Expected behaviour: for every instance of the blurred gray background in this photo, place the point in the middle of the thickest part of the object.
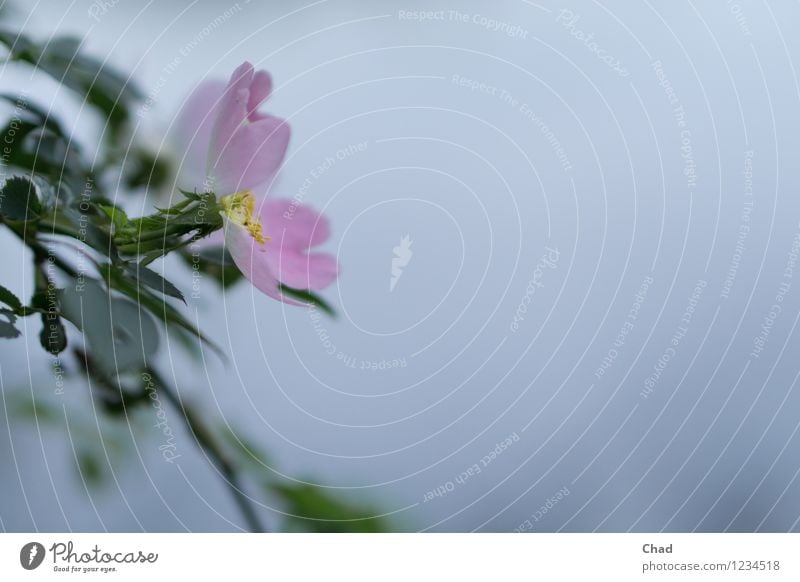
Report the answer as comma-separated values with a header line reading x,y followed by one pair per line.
x,y
603,204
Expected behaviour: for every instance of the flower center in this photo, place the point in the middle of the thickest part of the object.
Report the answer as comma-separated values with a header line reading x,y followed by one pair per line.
x,y
240,208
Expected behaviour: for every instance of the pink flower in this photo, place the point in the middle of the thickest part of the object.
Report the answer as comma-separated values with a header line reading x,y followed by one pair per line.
x,y
238,149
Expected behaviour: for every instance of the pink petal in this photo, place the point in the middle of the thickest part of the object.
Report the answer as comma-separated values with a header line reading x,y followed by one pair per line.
x,y
299,226
251,157
232,110
301,271
251,259
192,131
294,228
260,89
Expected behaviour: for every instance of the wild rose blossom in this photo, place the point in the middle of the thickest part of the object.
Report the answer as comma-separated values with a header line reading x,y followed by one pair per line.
x,y
238,150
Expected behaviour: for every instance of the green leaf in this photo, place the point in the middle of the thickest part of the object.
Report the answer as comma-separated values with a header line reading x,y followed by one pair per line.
x,y
190,195
215,262
309,297
10,299
153,280
121,335
17,43
115,395
146,169
36,113
253,456
200,214
7,328
101,241
312,509
19,143
164,312
53,336
53,153
89,467
41,153
93,226
34,141
52,196
27,407
19,200
116,215
97,84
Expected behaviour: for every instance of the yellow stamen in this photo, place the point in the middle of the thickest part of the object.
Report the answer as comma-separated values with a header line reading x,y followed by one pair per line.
x,y
240,208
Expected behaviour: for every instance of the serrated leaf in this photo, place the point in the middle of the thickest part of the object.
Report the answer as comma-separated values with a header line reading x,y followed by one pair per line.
x,y
153,280
19,200
52,196
10,299
116,215
190,195
309,297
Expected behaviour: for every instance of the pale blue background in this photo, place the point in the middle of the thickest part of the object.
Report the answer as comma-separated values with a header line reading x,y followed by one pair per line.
x,y
479,189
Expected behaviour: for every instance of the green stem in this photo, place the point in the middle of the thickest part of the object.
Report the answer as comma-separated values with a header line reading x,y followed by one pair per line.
x,y
205,440
132,236
53,227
